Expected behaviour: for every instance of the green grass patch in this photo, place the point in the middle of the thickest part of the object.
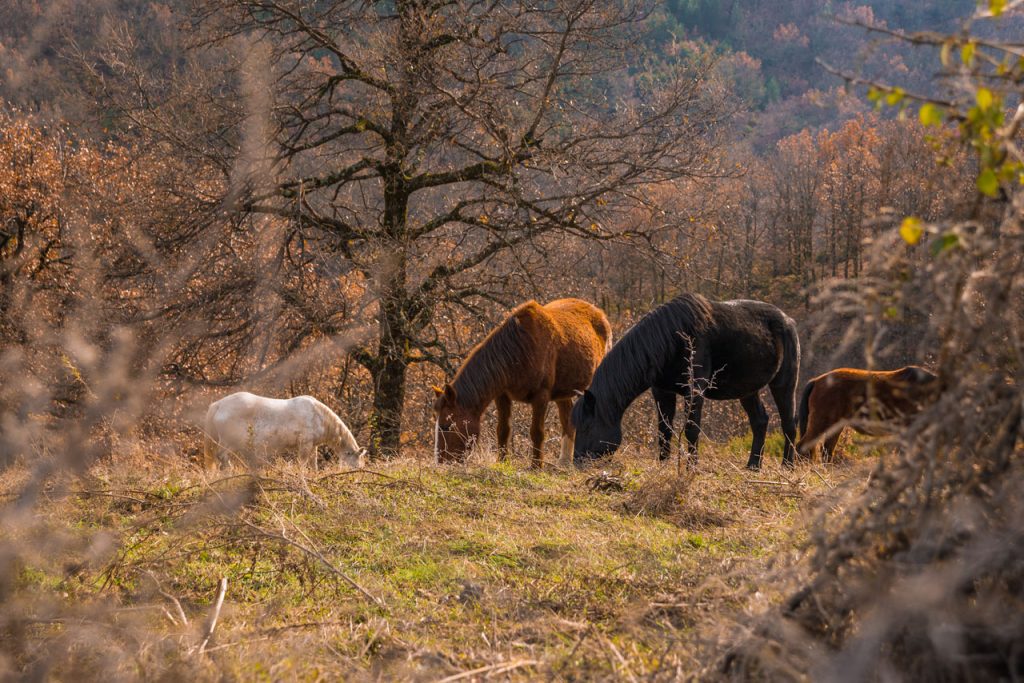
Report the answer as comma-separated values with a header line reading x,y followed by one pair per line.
x,y
467,565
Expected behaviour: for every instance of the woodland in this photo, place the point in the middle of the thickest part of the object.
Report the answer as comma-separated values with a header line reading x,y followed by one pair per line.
x,y
340,198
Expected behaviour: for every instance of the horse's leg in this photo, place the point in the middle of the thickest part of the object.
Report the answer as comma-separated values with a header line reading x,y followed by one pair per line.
x,y
307,451
568,432
758,417
828,448
540,409
694,408
805,451
818,423
504,406
783,388
665,410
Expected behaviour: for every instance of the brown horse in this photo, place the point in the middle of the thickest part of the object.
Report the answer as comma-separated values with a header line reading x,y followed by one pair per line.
x,y
839,398
539,354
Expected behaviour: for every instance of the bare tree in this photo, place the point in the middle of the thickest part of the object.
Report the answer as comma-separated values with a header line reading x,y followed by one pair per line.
x,y
419,142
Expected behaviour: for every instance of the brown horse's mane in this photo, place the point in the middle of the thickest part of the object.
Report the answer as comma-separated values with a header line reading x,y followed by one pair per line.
x,y
494,363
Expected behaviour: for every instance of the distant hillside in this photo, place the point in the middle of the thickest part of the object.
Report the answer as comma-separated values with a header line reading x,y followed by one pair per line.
x,y
769,47
771,50
786,36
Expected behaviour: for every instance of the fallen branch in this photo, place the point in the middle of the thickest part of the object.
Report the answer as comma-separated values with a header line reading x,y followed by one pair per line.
x,y
500,668
177,603
211,623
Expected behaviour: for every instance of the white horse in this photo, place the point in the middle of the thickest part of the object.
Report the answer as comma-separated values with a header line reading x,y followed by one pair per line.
x,y
257,427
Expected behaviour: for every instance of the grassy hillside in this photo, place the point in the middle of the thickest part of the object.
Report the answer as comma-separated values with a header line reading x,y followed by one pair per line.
x,y
407,570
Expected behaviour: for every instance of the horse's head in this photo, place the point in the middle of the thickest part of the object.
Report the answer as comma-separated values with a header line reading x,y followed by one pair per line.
x,y
596,435
915,374
918,384
354,458
456,427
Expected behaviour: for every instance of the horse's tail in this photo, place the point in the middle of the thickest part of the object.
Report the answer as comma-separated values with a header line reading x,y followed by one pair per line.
x,y
604,329
804,410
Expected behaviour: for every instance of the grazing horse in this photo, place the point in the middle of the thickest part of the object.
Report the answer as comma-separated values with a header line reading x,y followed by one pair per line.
x,y
537,355
695,348
838,399
255,427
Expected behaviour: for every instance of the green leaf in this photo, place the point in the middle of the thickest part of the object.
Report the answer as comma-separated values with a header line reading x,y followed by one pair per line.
x,y
984,98
988,184
911,230
996,7
967,54
947,48
930,114
945,242
894,97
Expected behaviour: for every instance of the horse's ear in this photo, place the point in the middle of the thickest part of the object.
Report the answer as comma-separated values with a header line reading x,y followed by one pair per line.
x,y
589,402
449,392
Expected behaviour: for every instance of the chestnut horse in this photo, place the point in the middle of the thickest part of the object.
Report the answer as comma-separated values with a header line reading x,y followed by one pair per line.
x,y
537,355
868,401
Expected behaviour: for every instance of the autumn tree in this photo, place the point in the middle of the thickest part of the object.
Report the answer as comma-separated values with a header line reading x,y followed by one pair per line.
x,y
415,143
850,192
32,233
56,191
797,175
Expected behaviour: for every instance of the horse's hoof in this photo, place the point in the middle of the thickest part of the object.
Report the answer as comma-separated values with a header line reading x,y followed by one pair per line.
x,y
754,466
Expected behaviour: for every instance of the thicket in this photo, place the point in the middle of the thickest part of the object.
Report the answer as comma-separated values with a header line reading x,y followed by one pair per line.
x,y
917,574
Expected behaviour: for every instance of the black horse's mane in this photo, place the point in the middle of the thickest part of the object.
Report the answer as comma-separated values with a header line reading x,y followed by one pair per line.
x,y
627,369
495,361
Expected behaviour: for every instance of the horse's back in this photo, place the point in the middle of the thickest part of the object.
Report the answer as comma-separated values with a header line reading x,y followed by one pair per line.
x,y
910,374
248,401
751,314
750,344
261,414
578,316
568,338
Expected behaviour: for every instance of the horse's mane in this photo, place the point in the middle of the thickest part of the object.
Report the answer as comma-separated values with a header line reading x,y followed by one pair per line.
x,y
495,361
333,424
628,368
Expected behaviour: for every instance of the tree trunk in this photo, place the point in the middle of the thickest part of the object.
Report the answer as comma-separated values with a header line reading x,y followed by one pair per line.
x,y
391,363
388,400
392,359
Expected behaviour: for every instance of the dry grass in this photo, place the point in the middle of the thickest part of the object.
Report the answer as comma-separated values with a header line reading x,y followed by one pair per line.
x,y
406,570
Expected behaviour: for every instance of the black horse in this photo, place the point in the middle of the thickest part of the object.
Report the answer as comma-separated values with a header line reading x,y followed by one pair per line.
x,y
697,349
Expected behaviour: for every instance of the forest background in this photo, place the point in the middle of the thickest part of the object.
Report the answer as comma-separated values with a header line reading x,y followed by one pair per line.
x,y
136,132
